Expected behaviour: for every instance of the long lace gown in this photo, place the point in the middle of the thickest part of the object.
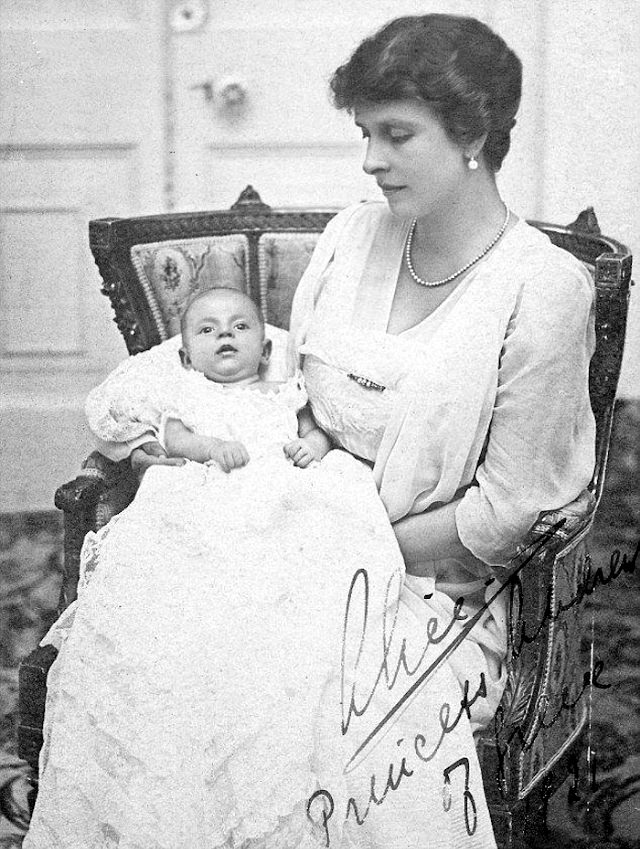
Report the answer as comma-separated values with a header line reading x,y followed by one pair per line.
x,y
183,708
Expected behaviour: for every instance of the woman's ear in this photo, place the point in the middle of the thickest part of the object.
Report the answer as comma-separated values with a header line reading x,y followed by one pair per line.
x,y
266,352
185,359
473,149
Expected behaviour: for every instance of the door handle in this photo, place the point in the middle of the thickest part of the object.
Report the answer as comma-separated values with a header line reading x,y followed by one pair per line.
x,y
207,89
231,92
228,93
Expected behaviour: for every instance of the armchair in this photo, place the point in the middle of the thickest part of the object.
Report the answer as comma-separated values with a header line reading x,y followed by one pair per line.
x,y
149,266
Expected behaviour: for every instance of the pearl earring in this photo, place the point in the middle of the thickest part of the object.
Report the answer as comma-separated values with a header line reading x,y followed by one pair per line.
x,y
472,163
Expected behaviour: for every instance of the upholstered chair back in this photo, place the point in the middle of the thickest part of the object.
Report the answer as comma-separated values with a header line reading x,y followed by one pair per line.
x,y
170,272
152,265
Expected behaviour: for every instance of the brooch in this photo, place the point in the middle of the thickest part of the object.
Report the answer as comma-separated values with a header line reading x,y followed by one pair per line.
x,y
364,381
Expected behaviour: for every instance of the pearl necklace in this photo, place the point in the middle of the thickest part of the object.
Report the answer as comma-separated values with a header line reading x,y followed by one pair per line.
x,y
407,254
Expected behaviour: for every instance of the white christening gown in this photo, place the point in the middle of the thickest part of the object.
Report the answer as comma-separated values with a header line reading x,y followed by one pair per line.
x,y
183,708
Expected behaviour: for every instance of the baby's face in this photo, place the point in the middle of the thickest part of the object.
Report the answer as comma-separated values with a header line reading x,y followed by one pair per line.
x,y
223,337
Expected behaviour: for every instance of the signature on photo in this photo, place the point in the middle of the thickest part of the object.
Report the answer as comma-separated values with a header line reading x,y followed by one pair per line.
x,y
321,805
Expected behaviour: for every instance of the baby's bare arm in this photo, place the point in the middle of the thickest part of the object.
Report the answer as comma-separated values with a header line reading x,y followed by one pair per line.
x,y
182,442
312,443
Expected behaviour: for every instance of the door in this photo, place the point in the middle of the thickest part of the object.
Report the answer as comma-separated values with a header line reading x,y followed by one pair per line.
x,y
81,137
251,101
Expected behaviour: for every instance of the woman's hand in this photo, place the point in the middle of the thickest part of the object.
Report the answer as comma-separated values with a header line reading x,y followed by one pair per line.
x,y
151,454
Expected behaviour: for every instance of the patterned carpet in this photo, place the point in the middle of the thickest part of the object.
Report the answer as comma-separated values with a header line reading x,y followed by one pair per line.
x,y
607,818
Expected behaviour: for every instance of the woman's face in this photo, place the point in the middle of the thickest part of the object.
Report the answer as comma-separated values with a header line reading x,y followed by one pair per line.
x,y
418,167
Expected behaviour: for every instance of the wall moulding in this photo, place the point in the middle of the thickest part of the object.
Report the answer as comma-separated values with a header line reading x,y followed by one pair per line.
x,y
70,15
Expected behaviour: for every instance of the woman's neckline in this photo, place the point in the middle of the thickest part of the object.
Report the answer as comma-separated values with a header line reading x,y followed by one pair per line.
x,y
455,293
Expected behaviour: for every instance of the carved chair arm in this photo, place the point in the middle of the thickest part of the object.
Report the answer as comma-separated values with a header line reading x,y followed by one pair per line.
x,y
556,528
98,475
542,590
531,597
102,489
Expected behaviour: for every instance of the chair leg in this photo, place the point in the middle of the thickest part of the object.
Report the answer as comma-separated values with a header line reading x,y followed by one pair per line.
x,y
522,826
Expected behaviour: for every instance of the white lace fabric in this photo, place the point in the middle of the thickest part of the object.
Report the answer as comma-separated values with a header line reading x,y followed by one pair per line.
x,y
262,419
337,360
183,708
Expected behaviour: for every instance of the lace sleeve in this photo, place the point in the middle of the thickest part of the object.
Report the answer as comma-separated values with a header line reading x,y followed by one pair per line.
x,y
130,402
190,401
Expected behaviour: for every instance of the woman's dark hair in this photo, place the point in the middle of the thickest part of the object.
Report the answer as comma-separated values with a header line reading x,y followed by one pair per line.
x,y
465,72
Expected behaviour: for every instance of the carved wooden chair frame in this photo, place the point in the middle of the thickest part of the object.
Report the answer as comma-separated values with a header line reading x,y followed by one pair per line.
x,y
523,761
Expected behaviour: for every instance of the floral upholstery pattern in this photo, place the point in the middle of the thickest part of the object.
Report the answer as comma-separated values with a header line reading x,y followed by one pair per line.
x,y
170,272
282,259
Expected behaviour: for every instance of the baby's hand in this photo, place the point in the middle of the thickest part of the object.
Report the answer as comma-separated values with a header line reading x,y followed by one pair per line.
x,y
228,455
300,452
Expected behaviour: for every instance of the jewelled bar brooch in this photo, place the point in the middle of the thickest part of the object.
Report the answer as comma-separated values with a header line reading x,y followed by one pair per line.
x,y
364,381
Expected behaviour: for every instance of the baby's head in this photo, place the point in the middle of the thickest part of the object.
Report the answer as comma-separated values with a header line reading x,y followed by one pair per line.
x,y
223,336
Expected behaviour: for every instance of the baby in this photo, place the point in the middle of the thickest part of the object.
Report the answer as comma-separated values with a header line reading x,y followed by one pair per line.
x,y
223,337
222,592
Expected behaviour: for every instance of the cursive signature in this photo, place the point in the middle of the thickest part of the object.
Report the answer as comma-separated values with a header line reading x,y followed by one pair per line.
x,y
553,608
321,805
432,625
357,614
619,563
541,721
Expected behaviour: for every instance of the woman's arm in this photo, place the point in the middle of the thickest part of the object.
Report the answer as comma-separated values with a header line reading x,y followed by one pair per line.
x,y
149,454
539,452
430,536
312,281
541,447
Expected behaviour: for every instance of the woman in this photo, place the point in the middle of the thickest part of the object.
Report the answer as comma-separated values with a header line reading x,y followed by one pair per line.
x,y
447,344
